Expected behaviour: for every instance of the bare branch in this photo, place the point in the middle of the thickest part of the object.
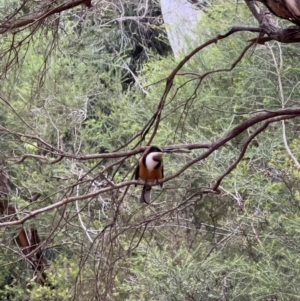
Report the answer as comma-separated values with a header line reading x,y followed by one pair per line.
x,y
284,9
7,25
270,116
169,82
285,114
245,146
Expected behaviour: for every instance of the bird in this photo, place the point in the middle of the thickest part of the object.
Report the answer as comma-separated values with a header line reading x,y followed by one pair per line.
x,y
150,168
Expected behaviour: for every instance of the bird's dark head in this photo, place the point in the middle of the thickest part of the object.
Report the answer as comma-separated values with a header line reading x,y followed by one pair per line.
x,y
153,152
154,149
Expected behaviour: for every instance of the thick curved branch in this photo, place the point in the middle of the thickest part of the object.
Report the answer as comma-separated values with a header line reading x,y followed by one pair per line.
x,y
255,10
169,82
283,9
281,114
245,146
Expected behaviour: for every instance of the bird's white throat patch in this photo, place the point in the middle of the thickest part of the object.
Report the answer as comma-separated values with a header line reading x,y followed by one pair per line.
x,y
150,163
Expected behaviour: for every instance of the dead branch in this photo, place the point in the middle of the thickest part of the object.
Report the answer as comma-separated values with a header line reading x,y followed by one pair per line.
x,y
155,120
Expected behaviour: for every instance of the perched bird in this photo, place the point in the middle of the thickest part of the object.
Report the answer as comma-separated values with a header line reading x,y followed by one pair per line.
x,y
150,168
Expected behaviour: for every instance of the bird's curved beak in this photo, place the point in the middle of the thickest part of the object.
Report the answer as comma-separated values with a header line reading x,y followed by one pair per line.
x,y
158,156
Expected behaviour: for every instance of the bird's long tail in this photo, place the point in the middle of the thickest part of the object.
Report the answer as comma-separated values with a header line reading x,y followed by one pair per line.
x,y
146,194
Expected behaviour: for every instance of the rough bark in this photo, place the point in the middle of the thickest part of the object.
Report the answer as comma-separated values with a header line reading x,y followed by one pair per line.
x,y
270,30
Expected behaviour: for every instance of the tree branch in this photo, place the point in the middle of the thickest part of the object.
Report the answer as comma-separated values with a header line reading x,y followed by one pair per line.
x,y
280,114
269,116
245,146
269,25
295,111
169,82
7,25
